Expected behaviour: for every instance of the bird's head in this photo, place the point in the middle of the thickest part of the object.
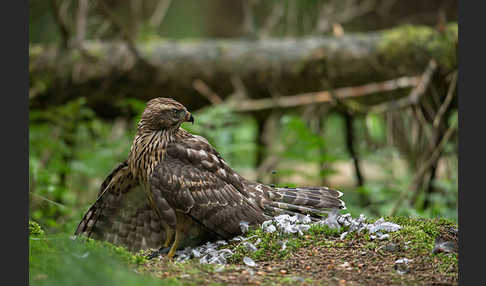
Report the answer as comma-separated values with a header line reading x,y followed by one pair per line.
x,y
163,114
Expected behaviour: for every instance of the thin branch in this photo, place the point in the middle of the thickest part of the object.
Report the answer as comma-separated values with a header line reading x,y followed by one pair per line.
x,y
160,11
239,89
435,97
430,111
267,138
61,23
420,117
103,27
329,14
348,119
447,101
414,96
273,19
326,96
249,26
81,16
81,21
414,186
47,200
206,91
419,83
125,35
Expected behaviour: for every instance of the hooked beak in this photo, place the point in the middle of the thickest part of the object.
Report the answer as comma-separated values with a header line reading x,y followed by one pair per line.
x,y
189,118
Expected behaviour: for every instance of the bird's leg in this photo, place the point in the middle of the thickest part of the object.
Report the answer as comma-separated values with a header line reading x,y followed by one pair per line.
x,y
167,218
178,237
182,227
168,240
166,246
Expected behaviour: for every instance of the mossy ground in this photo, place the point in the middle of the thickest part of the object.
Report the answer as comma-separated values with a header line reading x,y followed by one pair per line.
x,y
316,258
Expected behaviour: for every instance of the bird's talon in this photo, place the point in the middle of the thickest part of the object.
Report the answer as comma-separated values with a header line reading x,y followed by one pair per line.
x,y
161,251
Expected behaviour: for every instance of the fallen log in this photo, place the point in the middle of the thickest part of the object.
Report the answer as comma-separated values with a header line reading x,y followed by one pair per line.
x,y
105,72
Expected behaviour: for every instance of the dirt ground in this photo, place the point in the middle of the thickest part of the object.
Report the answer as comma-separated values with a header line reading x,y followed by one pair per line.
x,y
355,262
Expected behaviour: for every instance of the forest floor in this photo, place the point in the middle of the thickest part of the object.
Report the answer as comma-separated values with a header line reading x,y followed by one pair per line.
x,y
318,257
321,258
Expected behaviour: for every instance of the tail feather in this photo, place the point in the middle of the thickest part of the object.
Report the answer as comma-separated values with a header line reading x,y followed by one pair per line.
x,y
278,211
314,201
319,192
310,199
87,223
301,209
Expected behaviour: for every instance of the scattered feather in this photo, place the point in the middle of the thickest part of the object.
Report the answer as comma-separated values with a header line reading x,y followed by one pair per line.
x,y
210,252
249,262
244,226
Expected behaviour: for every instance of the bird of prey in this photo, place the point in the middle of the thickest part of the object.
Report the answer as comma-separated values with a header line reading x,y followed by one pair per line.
x,y
175,190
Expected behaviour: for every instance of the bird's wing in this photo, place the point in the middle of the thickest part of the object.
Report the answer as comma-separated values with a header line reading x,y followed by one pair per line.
x,y
122,214
195,180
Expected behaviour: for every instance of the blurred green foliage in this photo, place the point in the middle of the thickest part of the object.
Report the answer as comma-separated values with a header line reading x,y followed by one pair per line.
x,y
302,145
70,150
233,135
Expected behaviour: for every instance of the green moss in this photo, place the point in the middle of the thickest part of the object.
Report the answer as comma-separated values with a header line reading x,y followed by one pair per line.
x,y
446,262
270,246
320,229
114,250
60,260
419,233
371,245
410,43
35,229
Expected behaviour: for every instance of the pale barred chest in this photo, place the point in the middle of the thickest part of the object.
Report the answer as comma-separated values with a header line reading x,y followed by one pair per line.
x,y
146,152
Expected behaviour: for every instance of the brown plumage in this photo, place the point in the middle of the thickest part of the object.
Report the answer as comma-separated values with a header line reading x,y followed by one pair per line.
x,y
176,190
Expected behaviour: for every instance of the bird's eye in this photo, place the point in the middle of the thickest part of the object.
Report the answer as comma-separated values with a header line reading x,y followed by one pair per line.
x,y
178,113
